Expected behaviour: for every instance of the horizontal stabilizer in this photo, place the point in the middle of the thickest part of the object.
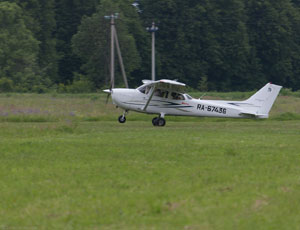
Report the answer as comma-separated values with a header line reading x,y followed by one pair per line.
x,y
253,115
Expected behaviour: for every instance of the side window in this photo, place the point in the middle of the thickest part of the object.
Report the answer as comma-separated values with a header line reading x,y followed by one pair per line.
x,y
157,93
177,96
147,89
167,94
181,97
161,93
174,96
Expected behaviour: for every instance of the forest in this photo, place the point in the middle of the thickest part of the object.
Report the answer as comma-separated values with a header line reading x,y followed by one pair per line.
x,y
211,45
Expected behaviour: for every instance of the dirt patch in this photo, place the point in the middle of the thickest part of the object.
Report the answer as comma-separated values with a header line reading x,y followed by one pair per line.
x,y
173,205
285,189
225,189
260,203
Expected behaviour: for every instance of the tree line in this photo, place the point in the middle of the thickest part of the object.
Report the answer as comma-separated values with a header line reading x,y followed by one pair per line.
x,y
225,45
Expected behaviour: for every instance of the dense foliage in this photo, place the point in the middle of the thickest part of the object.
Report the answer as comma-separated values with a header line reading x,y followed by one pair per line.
x,y
208,44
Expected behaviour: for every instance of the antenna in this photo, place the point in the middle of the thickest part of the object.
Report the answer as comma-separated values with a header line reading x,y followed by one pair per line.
x,y
152,30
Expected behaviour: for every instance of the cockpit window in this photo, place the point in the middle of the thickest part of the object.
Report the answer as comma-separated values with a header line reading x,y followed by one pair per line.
x,y
142,90
177,96
145,89
158,93
161,93
165,94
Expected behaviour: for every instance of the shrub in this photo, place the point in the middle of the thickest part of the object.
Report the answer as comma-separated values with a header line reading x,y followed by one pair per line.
x,y
80,85
39,89
286,92
6,85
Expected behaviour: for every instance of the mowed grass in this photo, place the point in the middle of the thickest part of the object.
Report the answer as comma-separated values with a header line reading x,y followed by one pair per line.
x,y
77,168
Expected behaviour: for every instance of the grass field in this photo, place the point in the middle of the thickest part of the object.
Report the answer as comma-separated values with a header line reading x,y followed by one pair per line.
x,y
66,163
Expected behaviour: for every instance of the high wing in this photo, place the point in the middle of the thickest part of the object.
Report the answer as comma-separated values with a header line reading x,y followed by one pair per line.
x,y
163,84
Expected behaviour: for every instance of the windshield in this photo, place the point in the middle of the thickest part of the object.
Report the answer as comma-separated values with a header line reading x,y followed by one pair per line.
x,y
188,97
144,89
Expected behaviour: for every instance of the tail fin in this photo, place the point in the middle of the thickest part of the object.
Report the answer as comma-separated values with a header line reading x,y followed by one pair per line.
x,y
264,99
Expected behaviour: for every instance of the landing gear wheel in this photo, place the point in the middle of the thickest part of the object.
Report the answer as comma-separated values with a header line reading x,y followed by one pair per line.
x,y
154,121
161,122
122,119
158,121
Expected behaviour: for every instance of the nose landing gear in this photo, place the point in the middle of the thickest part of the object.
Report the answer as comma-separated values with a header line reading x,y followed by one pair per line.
x,y
122,118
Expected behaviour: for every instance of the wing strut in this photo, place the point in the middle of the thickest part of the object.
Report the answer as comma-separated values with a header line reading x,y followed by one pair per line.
x,y
149,99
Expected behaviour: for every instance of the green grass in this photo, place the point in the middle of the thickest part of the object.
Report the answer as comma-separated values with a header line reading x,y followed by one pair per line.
x,y
79,169
91,107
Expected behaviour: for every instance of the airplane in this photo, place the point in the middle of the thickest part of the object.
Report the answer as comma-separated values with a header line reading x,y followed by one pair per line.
x,y
167,97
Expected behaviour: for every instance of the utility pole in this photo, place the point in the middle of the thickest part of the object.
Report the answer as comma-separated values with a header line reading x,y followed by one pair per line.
x,y
114,39
120,58
112,18
152,30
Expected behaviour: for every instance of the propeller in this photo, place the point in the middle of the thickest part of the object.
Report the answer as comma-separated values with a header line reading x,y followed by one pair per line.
x,y
109,92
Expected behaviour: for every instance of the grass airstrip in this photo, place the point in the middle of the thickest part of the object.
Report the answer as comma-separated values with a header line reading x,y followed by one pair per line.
x,y
66,163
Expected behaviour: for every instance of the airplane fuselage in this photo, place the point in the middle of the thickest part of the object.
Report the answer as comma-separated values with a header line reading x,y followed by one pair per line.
x,y
133,99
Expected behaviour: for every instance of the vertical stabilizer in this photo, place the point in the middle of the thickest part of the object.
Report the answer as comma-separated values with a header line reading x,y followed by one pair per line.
x,y
265,98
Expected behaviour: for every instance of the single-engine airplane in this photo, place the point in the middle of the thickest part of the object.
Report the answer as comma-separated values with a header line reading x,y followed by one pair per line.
x,y
168,97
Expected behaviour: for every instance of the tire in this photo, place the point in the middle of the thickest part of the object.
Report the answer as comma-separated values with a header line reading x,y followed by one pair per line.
x,y
122,119
161,122
154,121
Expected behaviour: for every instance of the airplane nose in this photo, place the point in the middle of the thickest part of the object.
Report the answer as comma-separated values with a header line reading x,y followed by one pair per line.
x,y
114,94
107,91
117,95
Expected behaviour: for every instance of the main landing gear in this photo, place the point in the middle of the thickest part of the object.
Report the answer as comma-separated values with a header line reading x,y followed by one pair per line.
x,y
159,121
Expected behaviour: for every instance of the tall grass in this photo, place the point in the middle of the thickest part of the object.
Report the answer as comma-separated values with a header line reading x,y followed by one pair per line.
x,y
92,107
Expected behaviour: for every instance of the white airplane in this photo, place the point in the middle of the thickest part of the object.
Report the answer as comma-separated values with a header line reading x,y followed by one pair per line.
x,y
168,97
